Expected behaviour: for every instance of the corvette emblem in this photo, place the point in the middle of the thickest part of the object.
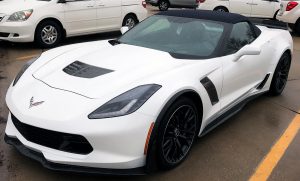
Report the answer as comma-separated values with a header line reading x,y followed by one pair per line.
x,y
33,104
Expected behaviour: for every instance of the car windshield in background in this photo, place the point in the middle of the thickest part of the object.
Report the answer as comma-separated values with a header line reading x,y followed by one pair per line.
x,y
176,35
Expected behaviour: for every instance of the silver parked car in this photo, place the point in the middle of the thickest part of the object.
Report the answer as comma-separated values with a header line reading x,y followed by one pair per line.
x,y
164,5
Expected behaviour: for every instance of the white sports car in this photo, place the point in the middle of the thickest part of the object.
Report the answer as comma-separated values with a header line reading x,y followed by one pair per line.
x,y
129,105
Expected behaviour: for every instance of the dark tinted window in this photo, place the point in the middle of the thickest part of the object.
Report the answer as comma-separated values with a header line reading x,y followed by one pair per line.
x,y
241,35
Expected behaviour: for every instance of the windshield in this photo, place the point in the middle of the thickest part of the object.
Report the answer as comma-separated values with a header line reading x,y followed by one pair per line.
x,y
176,35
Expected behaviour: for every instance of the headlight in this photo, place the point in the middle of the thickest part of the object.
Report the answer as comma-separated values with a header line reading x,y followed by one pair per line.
x,y
20,15
125,103
24,68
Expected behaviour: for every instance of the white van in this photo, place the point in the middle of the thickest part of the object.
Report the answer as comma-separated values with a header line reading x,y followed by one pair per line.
x,y
48,21
250,8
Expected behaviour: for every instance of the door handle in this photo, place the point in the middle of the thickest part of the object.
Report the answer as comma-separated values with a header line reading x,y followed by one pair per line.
x,y
101,5
90,6
251,3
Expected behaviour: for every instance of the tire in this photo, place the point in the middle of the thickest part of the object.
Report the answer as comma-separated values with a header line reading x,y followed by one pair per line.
x,y
280,76
221,9
130,21
163,5
297,27
275,15
178,129
48,34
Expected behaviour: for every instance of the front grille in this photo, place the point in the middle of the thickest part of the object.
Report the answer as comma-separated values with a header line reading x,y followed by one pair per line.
x,y
53,139
4,34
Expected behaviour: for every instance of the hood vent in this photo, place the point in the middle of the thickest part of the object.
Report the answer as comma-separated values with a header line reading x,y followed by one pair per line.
x,y
79,69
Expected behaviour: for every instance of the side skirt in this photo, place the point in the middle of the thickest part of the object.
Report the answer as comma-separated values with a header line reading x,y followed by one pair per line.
x,y
228,114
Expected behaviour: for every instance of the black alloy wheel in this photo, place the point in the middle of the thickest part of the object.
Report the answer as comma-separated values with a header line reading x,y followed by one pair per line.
x,y
281,74
179,130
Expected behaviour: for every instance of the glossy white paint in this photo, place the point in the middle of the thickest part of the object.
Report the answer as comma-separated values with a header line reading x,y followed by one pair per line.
x,y
250,8
76,17
119,142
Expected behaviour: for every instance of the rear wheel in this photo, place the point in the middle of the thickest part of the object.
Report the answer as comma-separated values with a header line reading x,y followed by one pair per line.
x,y
275,15
177,132
280,76
163,5
221,9
297,27
48,34
130,21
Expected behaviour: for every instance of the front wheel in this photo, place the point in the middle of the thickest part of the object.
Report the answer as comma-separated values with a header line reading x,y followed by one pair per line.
x,y
177,132
280,76
163,5
48,34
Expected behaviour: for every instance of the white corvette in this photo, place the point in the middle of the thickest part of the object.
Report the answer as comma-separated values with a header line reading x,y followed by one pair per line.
x,y
129,105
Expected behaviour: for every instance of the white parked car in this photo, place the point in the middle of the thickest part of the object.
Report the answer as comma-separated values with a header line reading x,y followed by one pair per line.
x,y
119,106
250,8
164,5
290,13
47,22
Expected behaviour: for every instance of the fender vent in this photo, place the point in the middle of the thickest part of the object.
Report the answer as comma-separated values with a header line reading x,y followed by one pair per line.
x,y
262,84
211,90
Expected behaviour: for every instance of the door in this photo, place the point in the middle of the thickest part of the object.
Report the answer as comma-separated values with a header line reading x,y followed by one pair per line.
x,y
242,76
240,7
264,8
80,16
109,15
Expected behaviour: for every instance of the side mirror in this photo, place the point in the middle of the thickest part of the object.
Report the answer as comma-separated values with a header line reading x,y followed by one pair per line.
x,y
247,50
124,29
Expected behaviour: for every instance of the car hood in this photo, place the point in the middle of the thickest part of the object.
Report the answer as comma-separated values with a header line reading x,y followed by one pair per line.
x,y
100,70
10,7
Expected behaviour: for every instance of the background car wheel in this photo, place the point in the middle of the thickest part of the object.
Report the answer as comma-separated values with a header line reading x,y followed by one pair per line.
x,y
130,21
297,27
222,9
48,34
163,5
281,74
177,132
275,15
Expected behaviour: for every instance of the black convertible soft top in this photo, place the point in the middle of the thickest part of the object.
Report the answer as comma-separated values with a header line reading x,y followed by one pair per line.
x,y
207,15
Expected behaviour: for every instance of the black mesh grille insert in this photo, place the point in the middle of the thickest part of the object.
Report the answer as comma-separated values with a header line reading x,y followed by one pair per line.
x,y
53,139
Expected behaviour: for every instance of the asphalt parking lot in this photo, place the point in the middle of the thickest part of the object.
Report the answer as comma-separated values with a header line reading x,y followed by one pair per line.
x,y
262,141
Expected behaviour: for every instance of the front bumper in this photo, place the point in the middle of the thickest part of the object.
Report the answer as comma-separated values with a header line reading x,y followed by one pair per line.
x,y
118,143
17,31
68,168
112,149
